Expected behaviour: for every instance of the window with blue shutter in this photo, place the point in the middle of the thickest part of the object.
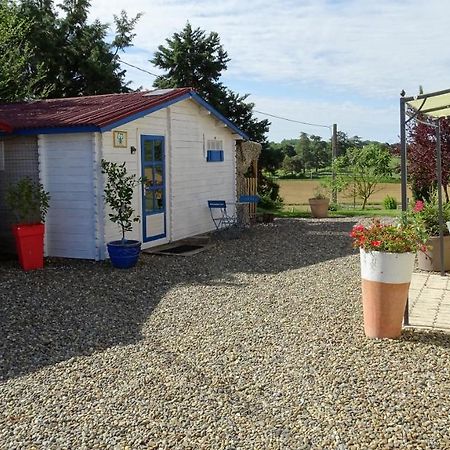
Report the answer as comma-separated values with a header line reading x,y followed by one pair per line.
x,y
214,152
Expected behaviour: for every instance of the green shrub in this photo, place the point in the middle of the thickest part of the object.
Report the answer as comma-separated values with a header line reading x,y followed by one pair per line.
x,y
28,201
389,202
429,214
334,207
267,187
267,203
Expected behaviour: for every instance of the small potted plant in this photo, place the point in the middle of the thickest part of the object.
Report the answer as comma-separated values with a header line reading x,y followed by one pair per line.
x,y
387,253
319,204
29,202
430,260
118,194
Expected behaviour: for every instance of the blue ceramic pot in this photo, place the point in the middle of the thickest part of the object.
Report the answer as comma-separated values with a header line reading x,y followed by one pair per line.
x,y
124,254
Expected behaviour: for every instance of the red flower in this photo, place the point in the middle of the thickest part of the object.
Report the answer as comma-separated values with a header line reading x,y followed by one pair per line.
x,y
376,243
418,206
358,228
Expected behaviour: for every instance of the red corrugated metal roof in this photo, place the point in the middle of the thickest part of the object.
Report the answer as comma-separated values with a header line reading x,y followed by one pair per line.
x,y
96,110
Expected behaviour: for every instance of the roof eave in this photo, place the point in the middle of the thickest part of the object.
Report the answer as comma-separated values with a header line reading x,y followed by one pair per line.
x,y
194,96
51,130
105,126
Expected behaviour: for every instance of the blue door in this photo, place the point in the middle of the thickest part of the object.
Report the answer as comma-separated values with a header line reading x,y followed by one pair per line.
x,y
154,188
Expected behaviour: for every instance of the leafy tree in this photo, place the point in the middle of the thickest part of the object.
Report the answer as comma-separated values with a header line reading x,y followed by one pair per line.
x,y
15,53
288,148
292,164
66,56
361,169
344,142
313,151
320,153
304,150
271,158
422,159
193,58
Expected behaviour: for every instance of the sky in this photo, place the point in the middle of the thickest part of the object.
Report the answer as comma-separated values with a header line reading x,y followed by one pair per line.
x,y
318,61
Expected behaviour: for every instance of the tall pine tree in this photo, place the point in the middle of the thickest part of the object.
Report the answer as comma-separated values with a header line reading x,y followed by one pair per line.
x,y
193,58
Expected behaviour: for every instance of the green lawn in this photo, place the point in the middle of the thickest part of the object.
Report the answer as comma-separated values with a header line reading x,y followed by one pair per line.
x,y
304,211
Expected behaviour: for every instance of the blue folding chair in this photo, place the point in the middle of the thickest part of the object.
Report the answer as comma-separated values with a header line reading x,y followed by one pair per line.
x,y
219,214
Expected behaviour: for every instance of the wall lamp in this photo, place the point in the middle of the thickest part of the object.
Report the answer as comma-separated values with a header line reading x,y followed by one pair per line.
x,y
133,149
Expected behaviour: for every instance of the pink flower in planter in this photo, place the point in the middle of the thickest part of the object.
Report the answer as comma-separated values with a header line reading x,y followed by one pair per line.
x,y
418,206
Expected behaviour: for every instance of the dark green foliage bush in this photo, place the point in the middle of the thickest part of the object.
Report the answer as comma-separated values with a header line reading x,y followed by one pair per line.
x,y
269,190
267,203
267,187
430,215
334,207
389,202
28,201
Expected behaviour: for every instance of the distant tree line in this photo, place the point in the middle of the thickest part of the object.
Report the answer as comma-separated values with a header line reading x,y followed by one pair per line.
x,y
307,153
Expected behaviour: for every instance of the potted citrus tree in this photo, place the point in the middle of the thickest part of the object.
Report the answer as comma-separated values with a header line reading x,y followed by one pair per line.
x,y
118,194
387,253
29,203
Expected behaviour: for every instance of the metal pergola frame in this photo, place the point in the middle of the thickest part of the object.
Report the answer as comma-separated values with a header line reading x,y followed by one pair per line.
x,y
441,108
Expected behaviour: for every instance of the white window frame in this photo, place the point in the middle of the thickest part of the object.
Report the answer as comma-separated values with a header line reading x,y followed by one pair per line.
x,y
215,145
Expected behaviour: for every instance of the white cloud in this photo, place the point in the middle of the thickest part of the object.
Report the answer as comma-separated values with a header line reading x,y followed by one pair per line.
x,y
358,48
372,47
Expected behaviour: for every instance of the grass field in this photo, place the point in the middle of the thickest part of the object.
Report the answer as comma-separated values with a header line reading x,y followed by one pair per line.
x,y
297,192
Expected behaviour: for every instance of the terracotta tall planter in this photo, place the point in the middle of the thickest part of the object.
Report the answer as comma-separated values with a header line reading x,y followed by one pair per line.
x,y
430,260
385,283
319,207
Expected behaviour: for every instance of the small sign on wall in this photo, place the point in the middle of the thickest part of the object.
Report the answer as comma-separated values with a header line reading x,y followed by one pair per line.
x,y
120,139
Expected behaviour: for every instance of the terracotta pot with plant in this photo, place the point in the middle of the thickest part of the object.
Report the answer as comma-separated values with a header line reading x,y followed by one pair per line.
x,y
29,203
119,188
430,259
319,204
387,253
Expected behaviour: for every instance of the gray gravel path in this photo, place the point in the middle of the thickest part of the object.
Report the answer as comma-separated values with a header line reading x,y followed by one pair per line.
x,y
254,344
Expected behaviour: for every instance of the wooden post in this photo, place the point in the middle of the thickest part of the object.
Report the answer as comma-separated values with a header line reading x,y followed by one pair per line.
x,y
333,157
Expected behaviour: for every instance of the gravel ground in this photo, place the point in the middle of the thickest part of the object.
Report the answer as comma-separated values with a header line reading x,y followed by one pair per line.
x,y
256,343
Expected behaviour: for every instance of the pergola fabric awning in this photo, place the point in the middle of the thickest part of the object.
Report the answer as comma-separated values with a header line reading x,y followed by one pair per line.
x,y
435,105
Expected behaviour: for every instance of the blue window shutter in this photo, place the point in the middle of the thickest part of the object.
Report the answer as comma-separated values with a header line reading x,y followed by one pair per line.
x,y
214,156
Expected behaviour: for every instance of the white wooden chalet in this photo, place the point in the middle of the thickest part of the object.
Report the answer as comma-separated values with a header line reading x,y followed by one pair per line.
x,y
183,146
